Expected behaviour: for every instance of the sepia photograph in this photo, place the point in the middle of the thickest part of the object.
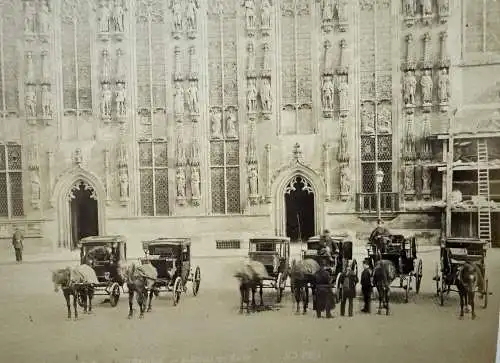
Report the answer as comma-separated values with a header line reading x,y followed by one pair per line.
x,y
249,181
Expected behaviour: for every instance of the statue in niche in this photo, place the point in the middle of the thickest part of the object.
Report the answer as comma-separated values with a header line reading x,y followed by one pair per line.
x,y
443,86
29,16
123,184
231,132
384,120
104,17
409,87
191,10
195,183
78,157
177,15
251,97
193,97
253,180
118,17
251,58
265,16
120,66
427,84
44,17
249,13
343,89
35,186
426,180
328,93
266,64
327,10
427,7
266,95
179,99
30,71
367,122
46,101
121,99
106,98
216,124
105,74
409,6
181,183
409,178
30,101
345,180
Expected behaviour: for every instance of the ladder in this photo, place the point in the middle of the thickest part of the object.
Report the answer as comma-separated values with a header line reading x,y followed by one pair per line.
x,y
483,188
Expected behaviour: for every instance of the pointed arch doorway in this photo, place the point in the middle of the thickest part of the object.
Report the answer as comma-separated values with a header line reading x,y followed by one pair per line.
x,y
84,212
299,209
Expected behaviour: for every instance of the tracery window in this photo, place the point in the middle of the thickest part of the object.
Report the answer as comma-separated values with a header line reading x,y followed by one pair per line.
x,y
153,174
225,176
11,181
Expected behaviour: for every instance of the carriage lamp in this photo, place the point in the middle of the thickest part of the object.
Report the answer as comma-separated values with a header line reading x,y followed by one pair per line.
x,y
379,178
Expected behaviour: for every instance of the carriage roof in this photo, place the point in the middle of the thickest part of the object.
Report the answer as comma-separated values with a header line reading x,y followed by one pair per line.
x,y
337,237
167,241
101,240
273,239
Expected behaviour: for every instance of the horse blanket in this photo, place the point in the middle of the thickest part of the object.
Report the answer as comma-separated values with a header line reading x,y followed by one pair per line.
x,y
305,267
253,270
83,274
143,271
384,271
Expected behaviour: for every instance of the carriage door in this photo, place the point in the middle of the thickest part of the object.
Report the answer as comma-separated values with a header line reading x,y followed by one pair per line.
x,y
84,219
299,206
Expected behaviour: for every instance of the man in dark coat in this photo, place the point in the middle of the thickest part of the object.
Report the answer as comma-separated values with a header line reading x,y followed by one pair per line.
x,y
348,281
366,286
17,243
324,294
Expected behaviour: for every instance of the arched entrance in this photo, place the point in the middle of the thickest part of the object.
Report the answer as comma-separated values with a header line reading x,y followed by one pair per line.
x,y
299,209
84,212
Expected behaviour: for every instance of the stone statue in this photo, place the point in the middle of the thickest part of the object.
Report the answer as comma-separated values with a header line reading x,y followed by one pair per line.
x,y
266,95
367,121
327,10
30,101
343,89
30,71
249,13
251,58
409,8
231,132
427,84
193,97
181,183
426,180
443,86
105,74
179,99
35,186
118,16
104,17
426,7
46,101
253,180
195,183
345,180
216,124
266,62
191,10
177,15
121,100
29,16
266,14
409,178
123,184
252,97
44,18
106,98
409,86
328,93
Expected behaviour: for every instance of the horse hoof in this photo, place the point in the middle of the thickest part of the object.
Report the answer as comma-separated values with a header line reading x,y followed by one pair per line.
x,y
149,310
473,317
379,312
130,316
141,316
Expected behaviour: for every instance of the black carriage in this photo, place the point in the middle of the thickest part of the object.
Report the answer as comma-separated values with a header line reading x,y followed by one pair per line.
x,y
340,261
274,254
454,253
172,259
105,254
402,252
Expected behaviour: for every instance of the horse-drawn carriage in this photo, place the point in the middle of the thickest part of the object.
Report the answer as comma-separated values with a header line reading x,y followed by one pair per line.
x,y
455,253
172,259
401,251
105,254
274,254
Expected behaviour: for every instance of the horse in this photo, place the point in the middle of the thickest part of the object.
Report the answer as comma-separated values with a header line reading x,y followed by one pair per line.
x,y
469,276
73,285
250,276
302,274
384,273
139,279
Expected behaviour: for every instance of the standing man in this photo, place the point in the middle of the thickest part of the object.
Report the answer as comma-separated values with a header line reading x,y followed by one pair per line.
x,y
17,243
348,280
366,285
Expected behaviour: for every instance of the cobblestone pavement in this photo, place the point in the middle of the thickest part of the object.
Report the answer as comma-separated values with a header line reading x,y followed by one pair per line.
x,y
208,328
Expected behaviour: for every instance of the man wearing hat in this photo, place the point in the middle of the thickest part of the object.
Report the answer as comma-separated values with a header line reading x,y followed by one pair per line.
x,y
366,285
17,243
327,245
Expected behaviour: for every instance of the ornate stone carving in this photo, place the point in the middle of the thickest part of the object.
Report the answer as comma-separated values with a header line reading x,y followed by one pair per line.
x,y
342,68
195,185
443,10
104,19
409,181
107,178
77,157
178,76
327,10
30,69
121,72
343,150
342,15
266,97
106,101
177,12
30,102
409,145
265,17
328,59
326,170
345,182
231,124
427,85
427,61
121,101
216,123
298,156
118,17
426,182
426,10
409,9
192,18
409,87
251,73
444,61
411,63
266,61
46,102
46,73
77,186
29,18
367,115
443,89
253,172
366,4
327,92
193,64
250,20
35,189
251,96
105,67
384,118
192,95
267,151
180,178
343,92
178,102
44,19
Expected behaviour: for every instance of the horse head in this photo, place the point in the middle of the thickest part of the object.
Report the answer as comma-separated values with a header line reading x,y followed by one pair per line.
x,y
61,277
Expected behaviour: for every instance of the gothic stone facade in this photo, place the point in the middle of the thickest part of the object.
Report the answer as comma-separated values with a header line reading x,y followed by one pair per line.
x,y
189,117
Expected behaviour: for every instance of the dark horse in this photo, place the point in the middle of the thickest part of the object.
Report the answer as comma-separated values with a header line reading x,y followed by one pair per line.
x,y
469,277
80,290
384,273
139,279
250,276
302,275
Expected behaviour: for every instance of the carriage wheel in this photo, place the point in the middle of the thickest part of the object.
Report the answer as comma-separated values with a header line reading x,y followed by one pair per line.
x,y
407,288
485,294
177,290
114,294
196,280
418,276
436,278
